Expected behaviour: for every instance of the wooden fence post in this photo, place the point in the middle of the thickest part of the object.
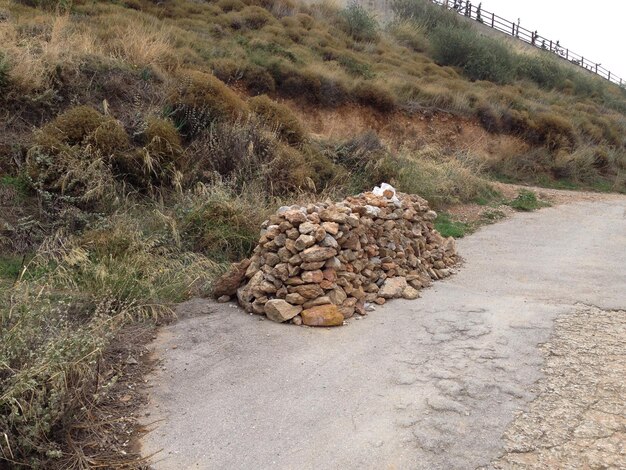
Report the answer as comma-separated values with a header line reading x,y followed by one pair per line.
x,y
493,19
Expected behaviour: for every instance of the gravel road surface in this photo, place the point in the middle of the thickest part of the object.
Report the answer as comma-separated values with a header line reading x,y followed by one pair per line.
x,y
463,378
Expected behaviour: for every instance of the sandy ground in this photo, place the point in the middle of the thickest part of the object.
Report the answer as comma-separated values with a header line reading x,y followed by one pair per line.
x,y
515,362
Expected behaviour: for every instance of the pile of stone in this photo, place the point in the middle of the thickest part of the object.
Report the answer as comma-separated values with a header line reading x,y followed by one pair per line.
x,y
320,264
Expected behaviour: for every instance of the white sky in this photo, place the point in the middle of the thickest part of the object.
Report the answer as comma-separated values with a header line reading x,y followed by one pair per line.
x,y
594,29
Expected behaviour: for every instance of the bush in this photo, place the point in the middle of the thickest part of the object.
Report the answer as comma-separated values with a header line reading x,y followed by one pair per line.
x,y
221,224
526,201
410,34
59,319
359,23
370,94
367,161
4,72
227,70
544,71
255,17
481,58
441,182
279,117
258,80
162,155
425,14
199,99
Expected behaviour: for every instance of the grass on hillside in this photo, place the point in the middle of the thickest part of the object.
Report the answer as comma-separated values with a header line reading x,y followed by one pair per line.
x,y
144,143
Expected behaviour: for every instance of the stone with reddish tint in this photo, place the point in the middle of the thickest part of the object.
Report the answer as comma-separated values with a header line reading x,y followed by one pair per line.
x,y
317,253
322,315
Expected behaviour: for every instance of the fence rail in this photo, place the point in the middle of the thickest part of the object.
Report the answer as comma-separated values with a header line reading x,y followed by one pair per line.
x,y
490,19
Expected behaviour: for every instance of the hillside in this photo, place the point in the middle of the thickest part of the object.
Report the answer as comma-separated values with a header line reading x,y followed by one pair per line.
x,y
143,143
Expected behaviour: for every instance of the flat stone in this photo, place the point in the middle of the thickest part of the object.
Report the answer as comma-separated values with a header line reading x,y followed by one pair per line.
x,y
280,311
317,253
308,291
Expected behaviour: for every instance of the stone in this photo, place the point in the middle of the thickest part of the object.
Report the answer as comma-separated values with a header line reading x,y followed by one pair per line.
x,y
292,233
317,253
223,298
333,215
337,296
322,315
314,277
312,266
304,241
329,241
331,228
393,288
330,274
297,320
280,311
308,291
323,300
245,293
295,299
410,293
333,263
258,307
228,283
380,300
307,228
272,259
295,217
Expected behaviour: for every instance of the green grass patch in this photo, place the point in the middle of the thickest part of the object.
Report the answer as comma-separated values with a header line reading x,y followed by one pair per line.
x,y
527,201
448,227
10,267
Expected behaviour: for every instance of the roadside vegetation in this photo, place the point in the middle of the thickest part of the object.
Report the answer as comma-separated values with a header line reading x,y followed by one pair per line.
x,y
143,143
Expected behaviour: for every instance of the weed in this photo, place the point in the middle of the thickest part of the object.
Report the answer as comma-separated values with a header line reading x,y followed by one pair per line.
x,y
359,22
527,201
448,227
279,117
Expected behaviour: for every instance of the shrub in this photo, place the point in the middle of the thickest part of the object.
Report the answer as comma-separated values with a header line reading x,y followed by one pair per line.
x,y
199,99
526,201
231,5
373,95
110,137
542,70
481,58
4,72
367,161
71,127
294,83
220,223
258,80
227,70
359,23
425,14
410,34
255,17
441,181
279,117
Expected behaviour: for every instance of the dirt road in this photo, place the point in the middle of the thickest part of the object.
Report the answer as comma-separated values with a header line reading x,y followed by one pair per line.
x,y
435,383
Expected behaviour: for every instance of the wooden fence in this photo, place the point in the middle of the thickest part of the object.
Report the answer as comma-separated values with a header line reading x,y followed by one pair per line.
x,y
476,13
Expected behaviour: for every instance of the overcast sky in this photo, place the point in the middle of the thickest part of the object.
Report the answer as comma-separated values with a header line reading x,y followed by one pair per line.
x,y
594,29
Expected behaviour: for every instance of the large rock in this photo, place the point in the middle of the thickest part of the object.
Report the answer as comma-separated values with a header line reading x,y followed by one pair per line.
x,y
230,281
317,253
393,288
280,311
322,315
